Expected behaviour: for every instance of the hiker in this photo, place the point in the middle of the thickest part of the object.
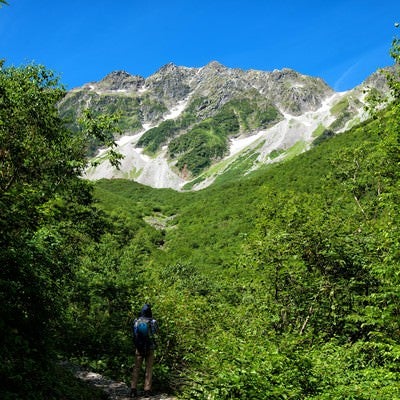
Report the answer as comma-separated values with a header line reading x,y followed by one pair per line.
x,y
144,329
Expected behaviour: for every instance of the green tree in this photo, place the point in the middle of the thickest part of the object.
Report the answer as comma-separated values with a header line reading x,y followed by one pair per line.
x,y
383,311
46,217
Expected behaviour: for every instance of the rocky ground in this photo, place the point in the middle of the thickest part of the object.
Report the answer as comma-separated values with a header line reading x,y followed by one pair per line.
x,y
115,390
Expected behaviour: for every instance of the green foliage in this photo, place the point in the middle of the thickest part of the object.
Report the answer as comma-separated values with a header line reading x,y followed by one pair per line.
x,y
276,153
322,136
340,106
47,218
197,145
154,138
393,78
342,110
198,148
281,285
102,128
318,131
284,284
127,107
207,141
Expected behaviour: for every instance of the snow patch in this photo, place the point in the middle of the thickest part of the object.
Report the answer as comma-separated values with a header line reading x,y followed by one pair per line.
x,y
176,111
238,144
296,128
287,132
159,172
151,171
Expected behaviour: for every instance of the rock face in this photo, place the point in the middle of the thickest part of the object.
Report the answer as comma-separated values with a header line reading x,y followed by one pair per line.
x,y
171,83
121,80
292,92
181,121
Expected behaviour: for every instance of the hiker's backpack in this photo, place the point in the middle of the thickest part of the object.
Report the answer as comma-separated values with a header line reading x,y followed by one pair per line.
x,y
143,335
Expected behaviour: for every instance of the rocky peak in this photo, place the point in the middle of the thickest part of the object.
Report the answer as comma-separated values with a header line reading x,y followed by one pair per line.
x,y
171,82
293,92
167,69
274,110
172,70
121,80
378,80
215,66
284,74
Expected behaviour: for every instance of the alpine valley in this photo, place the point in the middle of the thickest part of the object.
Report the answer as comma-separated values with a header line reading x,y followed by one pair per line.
x,y
183,128
279,279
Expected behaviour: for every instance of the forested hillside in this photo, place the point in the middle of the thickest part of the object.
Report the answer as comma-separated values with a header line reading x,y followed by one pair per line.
x,y
281,284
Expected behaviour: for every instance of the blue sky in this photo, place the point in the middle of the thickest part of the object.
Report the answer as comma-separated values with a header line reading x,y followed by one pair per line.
x,y
340,41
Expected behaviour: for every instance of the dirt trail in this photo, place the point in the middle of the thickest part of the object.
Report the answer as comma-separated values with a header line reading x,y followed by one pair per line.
x,y
115,390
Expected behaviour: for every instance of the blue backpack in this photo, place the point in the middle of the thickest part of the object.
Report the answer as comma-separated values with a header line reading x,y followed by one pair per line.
x,y
143,335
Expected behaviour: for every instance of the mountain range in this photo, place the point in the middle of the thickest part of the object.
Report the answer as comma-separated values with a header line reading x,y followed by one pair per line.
x,y
183,128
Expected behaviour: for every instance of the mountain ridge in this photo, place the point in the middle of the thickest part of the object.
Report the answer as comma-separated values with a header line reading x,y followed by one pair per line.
x,y
184,126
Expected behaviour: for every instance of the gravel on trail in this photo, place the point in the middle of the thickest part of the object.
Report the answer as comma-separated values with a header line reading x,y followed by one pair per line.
x,y
115,390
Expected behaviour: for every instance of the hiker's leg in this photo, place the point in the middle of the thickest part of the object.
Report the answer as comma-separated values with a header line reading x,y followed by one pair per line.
x,y
149,370
136,370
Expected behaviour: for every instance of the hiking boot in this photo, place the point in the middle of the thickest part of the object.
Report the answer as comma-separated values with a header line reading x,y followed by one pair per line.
x,y
133,393
147,393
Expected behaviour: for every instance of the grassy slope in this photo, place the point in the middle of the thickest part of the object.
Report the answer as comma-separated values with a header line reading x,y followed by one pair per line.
x,y
210,224
195,273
